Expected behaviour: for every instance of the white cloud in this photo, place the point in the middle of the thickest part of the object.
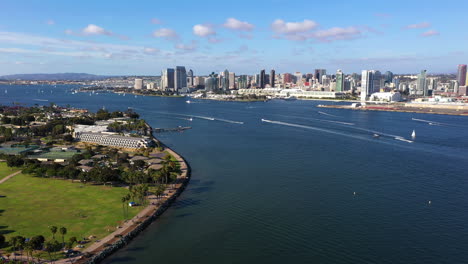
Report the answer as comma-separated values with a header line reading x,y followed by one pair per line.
x,y
419,25
166,33
279,26
430,33
156,21
203,30
39,45
187,47
235,24
92,29
337,33
150,51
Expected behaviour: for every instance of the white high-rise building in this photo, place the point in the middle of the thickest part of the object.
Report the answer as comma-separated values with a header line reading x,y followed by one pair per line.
x,y
138,84
167,79
371,82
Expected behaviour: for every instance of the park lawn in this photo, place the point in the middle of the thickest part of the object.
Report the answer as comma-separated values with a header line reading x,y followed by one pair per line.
x,y
5,170
29,205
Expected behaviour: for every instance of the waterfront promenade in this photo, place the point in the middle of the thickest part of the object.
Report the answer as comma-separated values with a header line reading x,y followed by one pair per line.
x,y
99,250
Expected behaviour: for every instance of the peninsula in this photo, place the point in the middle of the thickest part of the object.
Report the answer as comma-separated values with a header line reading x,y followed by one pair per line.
x,y
85,183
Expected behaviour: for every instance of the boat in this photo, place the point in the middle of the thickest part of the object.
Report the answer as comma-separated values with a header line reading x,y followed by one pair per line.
x,y
413,135
188,101
376,135
190,119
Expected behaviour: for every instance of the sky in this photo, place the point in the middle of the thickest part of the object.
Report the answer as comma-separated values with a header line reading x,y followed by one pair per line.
x,y
143,37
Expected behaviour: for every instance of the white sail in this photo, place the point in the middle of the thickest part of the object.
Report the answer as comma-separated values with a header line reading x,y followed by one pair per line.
x,y
413,135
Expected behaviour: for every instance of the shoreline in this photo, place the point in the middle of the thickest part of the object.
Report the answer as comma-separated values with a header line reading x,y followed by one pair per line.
x,y
99,251
422,110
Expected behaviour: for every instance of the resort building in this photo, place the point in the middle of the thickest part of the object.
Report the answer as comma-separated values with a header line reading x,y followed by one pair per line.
x,y
113,140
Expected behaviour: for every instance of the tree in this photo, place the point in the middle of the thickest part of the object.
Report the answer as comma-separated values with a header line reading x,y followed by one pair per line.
x,y
2,240
71,241
63,232
14,161
51,246
37,242
53,229
124,201
68,138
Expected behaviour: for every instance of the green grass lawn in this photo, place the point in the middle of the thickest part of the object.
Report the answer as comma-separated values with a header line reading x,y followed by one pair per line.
x,y
5,170
29,205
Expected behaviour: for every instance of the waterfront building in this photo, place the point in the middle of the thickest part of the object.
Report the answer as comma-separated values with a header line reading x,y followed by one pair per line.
x,y
388,76
199,82
167,79
138,84
386,97
211,83
180,78
224,78
272,78
243,82
370,83
340,79
190,78
113,140
298,78
232,80
319,73
261,82
461,74
150,86
287,78
422,84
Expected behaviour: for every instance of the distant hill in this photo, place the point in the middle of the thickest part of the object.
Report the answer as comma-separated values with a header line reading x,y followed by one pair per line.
x,y
54,77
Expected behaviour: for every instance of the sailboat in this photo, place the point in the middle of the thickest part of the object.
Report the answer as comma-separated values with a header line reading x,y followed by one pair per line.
x,y
413,135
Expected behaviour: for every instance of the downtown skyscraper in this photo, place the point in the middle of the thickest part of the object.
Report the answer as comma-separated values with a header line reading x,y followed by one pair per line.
x,y
370,83
461,75
422,83
340,80
180,78
272,78
167,79
261,83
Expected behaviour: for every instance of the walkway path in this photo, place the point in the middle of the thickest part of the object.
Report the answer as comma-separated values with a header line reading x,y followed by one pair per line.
x,y
9,176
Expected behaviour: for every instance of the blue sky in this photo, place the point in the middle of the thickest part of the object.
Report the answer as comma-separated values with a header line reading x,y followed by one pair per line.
x,y
142,37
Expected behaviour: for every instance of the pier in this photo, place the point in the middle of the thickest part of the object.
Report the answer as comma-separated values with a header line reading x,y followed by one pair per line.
x,y
175,129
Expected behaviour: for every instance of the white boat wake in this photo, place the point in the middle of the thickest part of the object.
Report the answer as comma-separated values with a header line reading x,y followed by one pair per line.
x,y
327,114
334,132
204,118
432,123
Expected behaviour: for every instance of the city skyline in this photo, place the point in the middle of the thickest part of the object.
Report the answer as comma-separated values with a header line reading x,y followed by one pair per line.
x,y
144,38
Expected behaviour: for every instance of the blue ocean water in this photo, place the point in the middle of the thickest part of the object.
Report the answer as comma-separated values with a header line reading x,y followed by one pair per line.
x,y
311,186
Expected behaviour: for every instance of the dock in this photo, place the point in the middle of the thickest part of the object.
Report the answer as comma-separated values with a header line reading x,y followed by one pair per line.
x,y
175,129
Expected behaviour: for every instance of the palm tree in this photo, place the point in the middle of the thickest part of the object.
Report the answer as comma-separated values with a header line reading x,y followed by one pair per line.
x,y
63,232
127,198
53,229
124,201
28,247
49,248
